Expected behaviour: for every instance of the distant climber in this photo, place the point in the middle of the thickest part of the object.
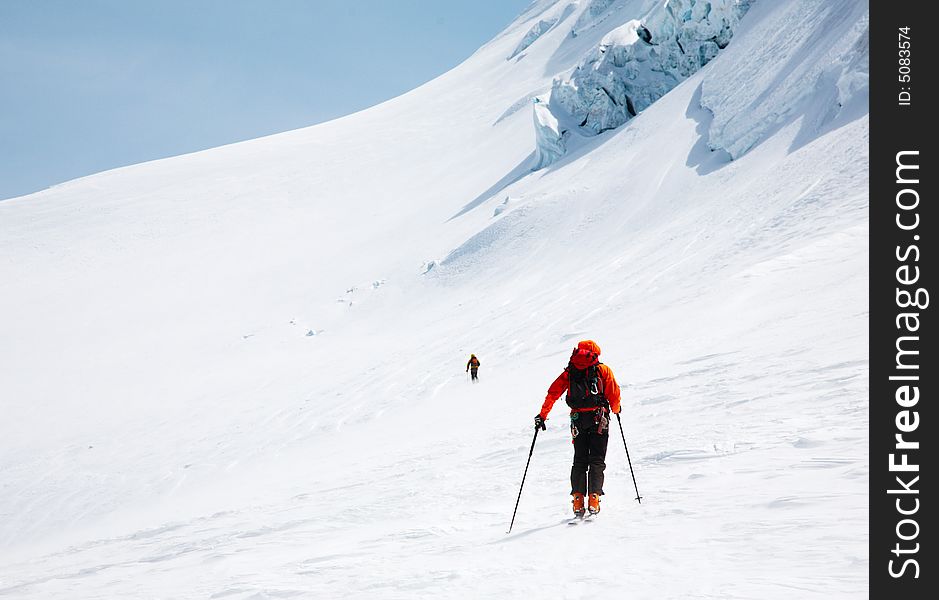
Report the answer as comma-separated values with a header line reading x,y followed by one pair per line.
x,y
592,393
472,365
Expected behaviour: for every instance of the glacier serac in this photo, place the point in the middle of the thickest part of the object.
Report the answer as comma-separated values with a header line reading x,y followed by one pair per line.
x,y
638,62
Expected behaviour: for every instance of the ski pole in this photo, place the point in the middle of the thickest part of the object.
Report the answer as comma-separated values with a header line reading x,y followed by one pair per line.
x,y
530,451
620,421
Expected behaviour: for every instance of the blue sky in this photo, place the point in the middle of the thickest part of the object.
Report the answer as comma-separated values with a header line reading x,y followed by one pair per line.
x,y
92,85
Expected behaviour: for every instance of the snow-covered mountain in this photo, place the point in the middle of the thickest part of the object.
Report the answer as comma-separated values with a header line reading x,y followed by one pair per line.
x,y
240,373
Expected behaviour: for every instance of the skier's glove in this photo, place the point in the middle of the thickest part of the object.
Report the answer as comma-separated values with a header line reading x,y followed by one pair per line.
x,y
539,422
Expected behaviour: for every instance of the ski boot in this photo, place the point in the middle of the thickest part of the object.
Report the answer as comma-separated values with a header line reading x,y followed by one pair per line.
x,y
593,503
578,503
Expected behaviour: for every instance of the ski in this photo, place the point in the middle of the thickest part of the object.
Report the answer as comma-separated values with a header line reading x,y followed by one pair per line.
x,y
584,519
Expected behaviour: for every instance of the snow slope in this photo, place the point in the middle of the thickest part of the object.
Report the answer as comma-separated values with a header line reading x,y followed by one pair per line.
x,y
239,373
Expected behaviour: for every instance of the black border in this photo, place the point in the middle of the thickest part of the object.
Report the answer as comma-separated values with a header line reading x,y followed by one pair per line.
x,y
896,128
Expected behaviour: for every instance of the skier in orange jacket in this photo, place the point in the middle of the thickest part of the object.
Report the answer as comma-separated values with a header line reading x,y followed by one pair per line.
x,y
592,393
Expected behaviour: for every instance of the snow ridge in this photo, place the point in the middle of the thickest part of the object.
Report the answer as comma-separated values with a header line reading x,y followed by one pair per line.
x,y
536,31
595,13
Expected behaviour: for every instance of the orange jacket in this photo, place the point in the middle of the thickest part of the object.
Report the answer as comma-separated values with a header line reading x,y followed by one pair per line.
x,y
562,385
589,353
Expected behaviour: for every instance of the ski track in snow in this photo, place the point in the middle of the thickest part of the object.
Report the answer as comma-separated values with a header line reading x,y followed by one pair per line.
x,y
172,431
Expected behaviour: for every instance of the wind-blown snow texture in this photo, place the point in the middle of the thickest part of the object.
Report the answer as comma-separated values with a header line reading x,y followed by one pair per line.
x,y
172,429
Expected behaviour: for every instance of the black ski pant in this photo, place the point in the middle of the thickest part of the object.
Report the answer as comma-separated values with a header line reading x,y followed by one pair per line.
x,y
474,372
591,431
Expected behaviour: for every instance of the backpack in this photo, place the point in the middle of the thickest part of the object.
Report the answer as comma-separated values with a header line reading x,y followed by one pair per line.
x,y
585,387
